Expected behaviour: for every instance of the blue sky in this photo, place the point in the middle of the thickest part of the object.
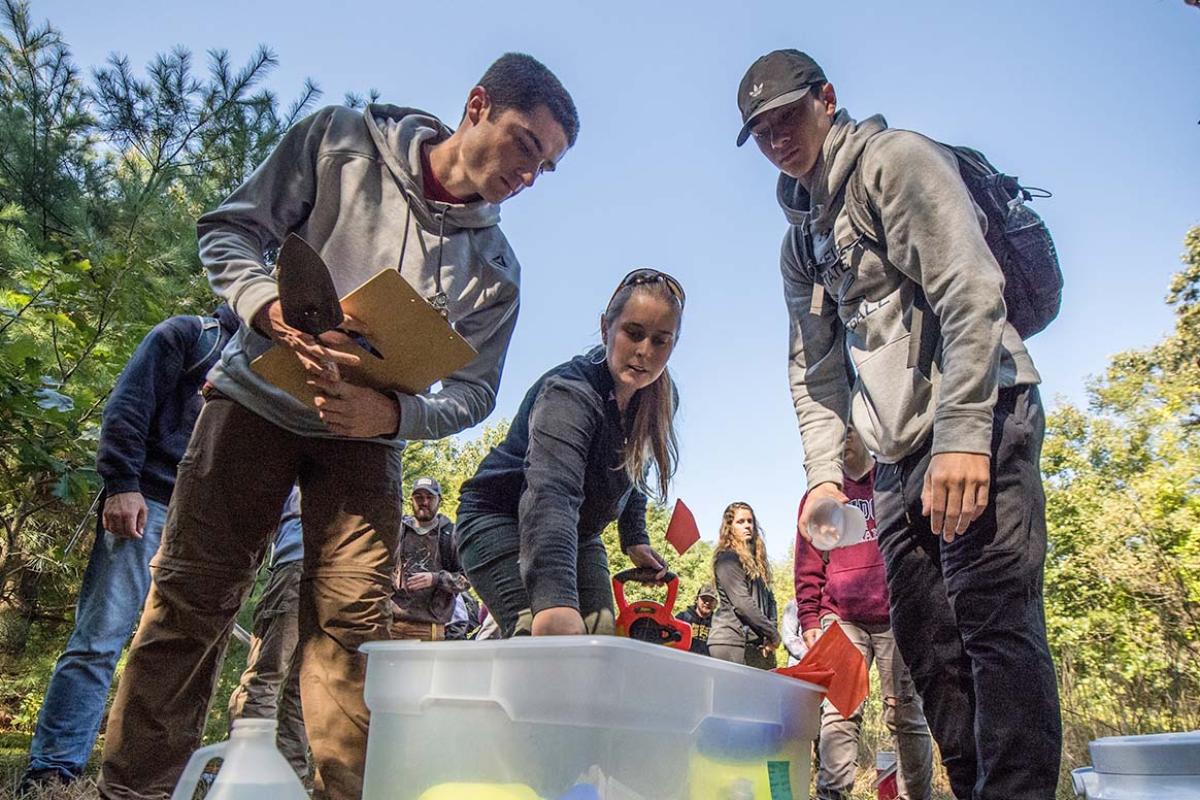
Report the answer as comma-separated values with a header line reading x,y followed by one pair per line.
x,y
1098,102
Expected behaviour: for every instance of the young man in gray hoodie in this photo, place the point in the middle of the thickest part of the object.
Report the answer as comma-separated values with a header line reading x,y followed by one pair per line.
x,y
957,431
386,188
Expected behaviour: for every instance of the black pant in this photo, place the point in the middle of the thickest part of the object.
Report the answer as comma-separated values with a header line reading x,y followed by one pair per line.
x,y
489,548
969,619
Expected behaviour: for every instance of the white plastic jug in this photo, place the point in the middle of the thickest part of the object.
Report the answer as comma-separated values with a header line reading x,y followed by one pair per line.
x,y
251,767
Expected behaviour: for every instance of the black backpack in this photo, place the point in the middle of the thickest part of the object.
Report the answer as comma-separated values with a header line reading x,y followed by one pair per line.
x,y
1016,235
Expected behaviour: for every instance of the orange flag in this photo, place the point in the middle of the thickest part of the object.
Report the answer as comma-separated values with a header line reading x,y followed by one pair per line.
x,y
835,663
682,532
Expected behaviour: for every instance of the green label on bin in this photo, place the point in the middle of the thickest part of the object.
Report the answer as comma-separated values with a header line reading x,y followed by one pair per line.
x,y
780,776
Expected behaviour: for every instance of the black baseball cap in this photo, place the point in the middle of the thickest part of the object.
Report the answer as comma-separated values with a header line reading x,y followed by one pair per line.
x,y
776,79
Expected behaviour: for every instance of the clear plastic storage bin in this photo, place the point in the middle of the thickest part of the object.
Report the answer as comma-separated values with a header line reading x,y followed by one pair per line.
x,y
1160,766
581,718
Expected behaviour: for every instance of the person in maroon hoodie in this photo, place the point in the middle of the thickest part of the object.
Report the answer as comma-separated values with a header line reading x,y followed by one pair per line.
x,y
847,586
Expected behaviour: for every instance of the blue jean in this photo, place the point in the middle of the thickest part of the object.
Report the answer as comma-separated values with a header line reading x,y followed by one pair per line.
x,y
114,587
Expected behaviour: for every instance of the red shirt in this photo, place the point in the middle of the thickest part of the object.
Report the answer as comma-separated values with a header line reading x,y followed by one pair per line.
x,y
434,190
853,584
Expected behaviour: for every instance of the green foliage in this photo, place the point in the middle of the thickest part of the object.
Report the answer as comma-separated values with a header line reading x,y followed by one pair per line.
x,y
451,461
694,567
26,678
100,187
1123,571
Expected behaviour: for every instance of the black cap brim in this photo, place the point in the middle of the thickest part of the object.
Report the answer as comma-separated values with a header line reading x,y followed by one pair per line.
x,y
782,100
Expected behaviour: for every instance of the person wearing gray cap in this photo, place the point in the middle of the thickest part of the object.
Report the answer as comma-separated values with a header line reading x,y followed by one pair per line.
x,y
883,232
428,577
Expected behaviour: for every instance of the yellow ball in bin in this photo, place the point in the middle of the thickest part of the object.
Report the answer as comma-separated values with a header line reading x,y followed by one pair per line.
x,y
479,791
714,779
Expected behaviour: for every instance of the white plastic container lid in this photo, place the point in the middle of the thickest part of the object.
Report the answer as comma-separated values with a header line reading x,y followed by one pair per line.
x,y
1156,754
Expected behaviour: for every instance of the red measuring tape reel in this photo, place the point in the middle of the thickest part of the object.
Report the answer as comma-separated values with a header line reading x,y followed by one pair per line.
x,y
649,620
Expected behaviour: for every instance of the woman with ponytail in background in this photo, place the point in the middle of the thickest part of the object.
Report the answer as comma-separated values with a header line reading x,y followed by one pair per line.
x,y
577,456
743,627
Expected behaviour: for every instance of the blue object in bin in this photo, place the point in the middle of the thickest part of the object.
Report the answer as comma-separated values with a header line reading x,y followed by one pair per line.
x,y
584,791
739,740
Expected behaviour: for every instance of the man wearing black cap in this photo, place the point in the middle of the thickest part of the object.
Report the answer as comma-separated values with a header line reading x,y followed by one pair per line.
x,y
699,616
958,496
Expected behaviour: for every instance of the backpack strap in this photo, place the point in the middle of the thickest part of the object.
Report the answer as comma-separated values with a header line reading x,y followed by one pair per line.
x,y
208,343
924,339
857,202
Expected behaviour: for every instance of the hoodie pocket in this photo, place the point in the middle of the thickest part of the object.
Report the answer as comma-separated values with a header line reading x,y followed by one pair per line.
x,y
892,405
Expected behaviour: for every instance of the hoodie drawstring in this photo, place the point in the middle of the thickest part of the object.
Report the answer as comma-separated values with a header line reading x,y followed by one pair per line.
x,y
438,301
404,241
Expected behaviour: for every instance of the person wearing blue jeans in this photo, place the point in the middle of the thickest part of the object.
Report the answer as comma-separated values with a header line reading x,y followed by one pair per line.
x,y
145,429
104,620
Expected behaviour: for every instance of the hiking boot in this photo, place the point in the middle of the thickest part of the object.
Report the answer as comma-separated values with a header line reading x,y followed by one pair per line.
x,y
36,780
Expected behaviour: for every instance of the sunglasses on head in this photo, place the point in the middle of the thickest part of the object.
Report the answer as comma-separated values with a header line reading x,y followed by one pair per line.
x,y
646,275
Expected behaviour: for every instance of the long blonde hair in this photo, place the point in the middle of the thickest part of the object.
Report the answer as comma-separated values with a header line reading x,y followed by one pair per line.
x,y
754,563
652,432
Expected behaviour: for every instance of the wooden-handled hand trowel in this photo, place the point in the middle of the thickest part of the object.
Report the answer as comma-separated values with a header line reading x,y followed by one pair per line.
x,y
308,297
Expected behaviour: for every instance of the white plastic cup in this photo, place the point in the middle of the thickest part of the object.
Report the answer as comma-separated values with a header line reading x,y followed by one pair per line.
x,y
832,524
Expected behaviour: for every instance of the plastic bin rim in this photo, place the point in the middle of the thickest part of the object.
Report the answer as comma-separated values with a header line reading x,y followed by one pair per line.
x,y
1154,754
555,643
1151,739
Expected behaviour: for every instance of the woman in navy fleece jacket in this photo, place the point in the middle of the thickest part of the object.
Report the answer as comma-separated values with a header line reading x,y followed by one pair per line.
x,y
577,457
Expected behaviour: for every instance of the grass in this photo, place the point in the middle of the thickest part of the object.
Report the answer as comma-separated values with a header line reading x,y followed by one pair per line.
x,y
14,752
26,679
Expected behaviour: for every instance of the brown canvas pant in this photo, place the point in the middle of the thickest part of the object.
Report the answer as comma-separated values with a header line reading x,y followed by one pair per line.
x,y
229,492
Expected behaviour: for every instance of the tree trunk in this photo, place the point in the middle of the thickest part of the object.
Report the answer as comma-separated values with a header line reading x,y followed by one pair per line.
x,y
17,605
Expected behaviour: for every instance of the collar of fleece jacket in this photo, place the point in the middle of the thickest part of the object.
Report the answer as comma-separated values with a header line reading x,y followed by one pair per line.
x,y
442,521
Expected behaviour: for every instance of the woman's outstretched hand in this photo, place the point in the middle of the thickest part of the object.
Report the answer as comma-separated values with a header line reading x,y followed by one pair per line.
x,y
558,621
643,555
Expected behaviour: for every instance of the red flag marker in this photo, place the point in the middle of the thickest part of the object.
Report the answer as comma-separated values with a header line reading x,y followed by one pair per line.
x,y
835,663
682,533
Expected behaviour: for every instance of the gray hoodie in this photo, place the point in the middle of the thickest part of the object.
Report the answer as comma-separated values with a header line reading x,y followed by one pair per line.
x,y
863,302
350,183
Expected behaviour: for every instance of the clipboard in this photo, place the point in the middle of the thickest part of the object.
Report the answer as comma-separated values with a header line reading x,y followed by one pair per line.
x,y
419,347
